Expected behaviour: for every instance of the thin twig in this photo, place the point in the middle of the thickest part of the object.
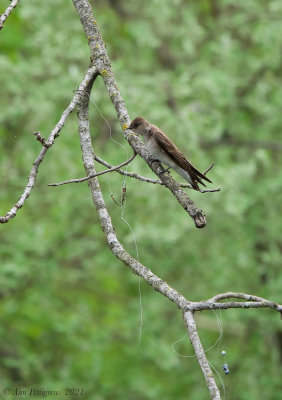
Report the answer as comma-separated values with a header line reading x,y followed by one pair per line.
x,y
133,174
40,139
236,295
90,74
251,301
209,190
79,180
7,12
208,169
204,305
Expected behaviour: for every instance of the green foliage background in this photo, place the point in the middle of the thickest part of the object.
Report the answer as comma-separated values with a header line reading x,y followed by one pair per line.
x,y
209,74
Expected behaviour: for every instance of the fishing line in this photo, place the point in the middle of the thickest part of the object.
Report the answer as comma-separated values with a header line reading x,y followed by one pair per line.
x,y
218,340
220,378
139,278
110,129
123,206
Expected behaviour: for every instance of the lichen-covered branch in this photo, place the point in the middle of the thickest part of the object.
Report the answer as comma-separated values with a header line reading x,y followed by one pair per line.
x,y
47,144
235,295
251,301
7,12
100,59
200,353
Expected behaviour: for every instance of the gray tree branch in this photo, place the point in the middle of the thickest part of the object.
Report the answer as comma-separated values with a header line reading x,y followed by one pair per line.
x,y
7,12
251,302
79,180
47,144
190,323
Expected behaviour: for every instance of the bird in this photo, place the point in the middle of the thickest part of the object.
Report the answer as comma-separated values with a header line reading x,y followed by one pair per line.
x,y
165,151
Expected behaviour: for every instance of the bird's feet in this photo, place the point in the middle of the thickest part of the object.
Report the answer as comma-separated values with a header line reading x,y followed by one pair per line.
x,y
165,170
151,159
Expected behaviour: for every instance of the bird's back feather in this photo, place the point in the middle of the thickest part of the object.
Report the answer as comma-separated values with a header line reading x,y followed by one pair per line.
x,y
169,147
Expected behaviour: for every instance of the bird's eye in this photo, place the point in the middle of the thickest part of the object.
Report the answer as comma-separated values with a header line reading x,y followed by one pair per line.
x,y
136,124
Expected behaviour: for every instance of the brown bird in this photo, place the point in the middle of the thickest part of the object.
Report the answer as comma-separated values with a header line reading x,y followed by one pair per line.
x,y
164,150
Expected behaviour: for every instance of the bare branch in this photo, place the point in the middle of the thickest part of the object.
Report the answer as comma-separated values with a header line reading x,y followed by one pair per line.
x,y
79,180
209,190
208,169
7,12
90,74
235,295
201,306
134,174
251,302
200,353
40,138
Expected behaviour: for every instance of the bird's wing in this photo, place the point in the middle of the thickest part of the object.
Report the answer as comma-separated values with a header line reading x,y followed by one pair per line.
x,y
169,147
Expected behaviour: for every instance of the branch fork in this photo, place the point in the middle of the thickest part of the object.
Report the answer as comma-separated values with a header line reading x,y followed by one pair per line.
x,y
41,139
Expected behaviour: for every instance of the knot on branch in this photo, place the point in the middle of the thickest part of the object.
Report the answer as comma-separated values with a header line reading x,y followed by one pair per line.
x,y
41,139
200,220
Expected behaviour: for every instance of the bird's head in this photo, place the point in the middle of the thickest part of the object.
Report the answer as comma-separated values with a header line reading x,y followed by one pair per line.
x,y
139,125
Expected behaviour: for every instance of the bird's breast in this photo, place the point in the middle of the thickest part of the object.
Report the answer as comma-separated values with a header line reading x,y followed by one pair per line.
x,y
157,152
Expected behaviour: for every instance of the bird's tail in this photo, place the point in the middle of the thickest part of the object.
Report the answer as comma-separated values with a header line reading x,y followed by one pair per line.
x,y
197,177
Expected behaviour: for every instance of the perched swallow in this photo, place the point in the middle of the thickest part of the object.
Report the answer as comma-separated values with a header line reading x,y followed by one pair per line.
x,y
164,150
